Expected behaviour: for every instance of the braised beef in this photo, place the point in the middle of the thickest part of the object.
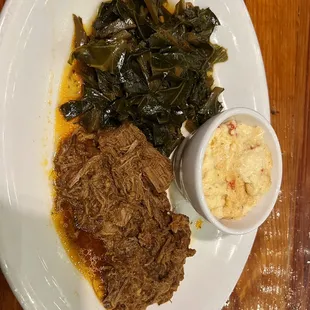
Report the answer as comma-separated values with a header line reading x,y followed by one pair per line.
x,y
113,185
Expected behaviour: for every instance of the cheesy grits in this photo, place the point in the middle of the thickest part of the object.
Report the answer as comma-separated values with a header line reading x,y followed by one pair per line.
x,y
236,170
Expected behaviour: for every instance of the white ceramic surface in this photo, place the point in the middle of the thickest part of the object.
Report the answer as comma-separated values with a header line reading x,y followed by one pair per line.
x,y
188,160
35,37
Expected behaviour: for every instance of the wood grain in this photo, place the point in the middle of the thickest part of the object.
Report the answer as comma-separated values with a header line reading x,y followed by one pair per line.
x,y
277,274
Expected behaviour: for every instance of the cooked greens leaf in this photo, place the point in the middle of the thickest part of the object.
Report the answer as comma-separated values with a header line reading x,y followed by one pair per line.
x,y
136,11
152,6
80,36
93,95
167,62
115,27
87,74
219,54
122,35
91,120
91,98
109,85
106,14
201,39
175,96
133,79
180,8
74,108
148,66
210,107
102,55
164,38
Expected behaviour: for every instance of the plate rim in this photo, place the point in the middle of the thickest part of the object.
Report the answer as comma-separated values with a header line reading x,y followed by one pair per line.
x,y
5,20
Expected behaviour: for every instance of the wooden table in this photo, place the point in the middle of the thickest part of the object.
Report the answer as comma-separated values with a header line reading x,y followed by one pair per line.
x,y
277,274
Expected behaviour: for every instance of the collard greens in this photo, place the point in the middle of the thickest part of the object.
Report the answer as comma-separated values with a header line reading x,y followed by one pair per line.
x,y
148,66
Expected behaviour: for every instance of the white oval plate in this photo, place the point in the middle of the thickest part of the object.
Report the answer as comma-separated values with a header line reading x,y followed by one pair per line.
x,y
35,37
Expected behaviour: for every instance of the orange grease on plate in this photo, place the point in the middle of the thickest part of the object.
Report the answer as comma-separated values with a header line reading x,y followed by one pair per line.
x,y
199,223
70,89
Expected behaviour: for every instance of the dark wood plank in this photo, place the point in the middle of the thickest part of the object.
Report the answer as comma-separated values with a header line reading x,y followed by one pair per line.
x,y
276,275
7,299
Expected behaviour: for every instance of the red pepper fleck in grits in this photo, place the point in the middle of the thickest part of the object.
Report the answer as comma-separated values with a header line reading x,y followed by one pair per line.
x,y
232,184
